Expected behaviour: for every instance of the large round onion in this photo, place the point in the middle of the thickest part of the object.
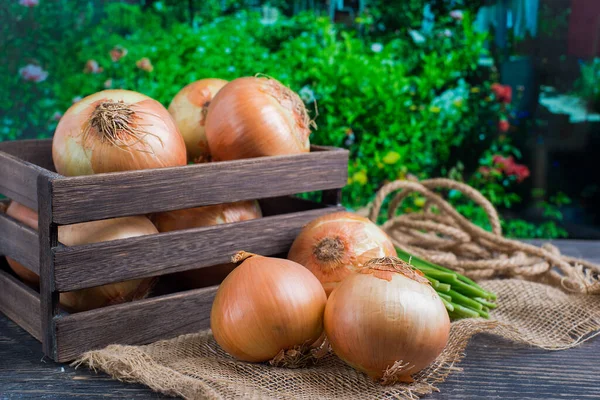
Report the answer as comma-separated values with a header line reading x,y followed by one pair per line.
x,y
205,216
267,305
84,233
116,130
189,108
387,321
255,117
336,245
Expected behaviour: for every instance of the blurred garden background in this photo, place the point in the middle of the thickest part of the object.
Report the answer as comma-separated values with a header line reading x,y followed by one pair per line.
x,y
503,95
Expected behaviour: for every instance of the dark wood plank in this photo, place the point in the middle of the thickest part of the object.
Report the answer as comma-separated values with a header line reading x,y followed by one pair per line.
x,y
21,304
48,239
86,198
95,264
18,180
139,322
35,151
19,242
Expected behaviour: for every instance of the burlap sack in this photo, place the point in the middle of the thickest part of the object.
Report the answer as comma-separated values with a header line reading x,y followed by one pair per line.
x,y
194,367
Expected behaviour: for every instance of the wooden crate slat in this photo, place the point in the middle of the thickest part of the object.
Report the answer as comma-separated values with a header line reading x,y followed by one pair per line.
x,y
101,196
35,151
139,322
19,242
101,263
19,180
21,304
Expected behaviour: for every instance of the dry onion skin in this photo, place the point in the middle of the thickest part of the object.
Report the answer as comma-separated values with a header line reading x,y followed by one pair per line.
x,y
205,216
116,130
256,117
188,109
339,244
85,233
266,306
387,321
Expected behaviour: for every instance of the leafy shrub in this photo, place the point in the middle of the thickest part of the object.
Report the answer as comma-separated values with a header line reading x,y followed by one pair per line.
x,y
416,104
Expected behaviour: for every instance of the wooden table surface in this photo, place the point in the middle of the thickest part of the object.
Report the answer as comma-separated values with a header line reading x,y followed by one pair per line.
x,y
492,368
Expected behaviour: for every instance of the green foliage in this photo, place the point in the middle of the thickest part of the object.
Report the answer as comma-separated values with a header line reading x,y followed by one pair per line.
x,y
415,103
588,85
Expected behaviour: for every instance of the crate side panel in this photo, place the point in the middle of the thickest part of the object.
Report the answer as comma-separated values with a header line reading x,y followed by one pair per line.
x,y
21,304
101,263
36,151
19,242
86,198
139,322
18,180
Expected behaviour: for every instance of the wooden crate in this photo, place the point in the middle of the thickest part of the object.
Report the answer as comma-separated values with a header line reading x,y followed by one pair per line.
x,y
26,176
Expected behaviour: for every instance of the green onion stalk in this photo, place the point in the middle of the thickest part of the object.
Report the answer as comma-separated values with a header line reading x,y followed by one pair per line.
x,y
462,297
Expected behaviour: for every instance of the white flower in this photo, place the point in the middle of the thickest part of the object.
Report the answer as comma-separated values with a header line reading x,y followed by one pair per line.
x,y
447,33
200,49
76,99
227,50
457,14
231,68
376,47
306,94
416,36
33,73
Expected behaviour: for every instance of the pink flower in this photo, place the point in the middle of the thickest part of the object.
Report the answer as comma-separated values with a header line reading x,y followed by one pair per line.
x,y
108,83
503,125
456,14
502,92
29,3
144,64
76,99
511,168
117,53
56,116
92,67
33,73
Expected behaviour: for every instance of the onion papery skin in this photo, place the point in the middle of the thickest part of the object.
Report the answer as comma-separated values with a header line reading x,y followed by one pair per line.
x,y
256,117
205,216
85,233
79,147
188,109
336,245
375,318
267,305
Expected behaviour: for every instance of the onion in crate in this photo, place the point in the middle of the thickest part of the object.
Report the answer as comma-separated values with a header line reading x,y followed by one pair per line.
x,y
256,117
200,217
189,108
85,233
116,130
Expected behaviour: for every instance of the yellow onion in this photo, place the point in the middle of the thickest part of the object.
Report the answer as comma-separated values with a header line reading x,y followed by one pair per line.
x,y
116,130
267,305
85,233
189,108
387,321
205,216
336,245
255,117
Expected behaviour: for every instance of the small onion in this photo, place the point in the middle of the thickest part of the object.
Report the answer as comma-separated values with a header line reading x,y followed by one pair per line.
x,y
336,245
84,233
116,130
387,321
189,108
267,305
205,216
255,117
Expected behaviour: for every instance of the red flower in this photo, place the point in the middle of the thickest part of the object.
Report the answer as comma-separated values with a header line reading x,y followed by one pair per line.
x,y
144,64
511,168
92,67
117,53
502,92
503,125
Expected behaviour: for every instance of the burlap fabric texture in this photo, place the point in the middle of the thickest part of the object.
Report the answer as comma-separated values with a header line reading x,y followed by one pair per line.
x,y
553,308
